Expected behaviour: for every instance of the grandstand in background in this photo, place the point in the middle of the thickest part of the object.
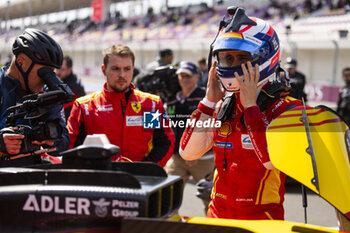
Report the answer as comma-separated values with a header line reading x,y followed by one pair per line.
x,y
316,34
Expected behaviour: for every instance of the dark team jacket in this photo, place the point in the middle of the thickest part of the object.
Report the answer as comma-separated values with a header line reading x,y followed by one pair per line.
x,y
343,107
78,89
297,82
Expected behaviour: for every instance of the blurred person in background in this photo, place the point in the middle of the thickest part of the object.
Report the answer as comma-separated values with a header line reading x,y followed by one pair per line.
x,y
343,106
297,79
180,108
165,57
203,68
68,77
118,110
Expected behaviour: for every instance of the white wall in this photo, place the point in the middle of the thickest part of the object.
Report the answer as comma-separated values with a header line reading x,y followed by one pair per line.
x,y
318,64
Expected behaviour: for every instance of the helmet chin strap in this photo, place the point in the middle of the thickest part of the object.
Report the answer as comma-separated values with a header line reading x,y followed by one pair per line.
x,y
25,74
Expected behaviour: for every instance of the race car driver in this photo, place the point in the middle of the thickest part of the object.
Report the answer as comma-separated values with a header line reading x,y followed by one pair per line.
x,y
246,70
118,111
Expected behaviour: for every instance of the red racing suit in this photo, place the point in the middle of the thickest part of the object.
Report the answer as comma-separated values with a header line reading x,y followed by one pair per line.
x,y
243,186
120,117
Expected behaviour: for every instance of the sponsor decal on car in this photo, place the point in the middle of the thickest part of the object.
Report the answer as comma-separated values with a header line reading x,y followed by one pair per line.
x,y
81,206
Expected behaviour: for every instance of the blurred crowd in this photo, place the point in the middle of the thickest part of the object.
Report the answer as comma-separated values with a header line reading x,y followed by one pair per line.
x,y
171,21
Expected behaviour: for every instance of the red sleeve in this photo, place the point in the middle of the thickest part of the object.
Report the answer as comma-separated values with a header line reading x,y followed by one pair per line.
x,y
186,135
75,126
257,123
205,109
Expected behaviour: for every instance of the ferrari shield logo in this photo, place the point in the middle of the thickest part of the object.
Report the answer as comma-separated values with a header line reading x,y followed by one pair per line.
x,y
136,106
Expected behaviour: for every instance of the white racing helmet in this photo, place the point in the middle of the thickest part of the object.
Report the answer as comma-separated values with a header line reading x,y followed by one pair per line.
x,y
249,34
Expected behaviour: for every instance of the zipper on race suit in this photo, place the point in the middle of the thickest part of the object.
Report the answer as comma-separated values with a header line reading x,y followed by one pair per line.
x,y
123,104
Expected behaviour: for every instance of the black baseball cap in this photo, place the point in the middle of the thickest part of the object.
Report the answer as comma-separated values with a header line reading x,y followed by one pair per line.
x,y
291,62
188,68
165,52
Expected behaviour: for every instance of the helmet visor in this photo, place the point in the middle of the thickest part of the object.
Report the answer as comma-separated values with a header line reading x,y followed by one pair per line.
x,y
246,49
232,58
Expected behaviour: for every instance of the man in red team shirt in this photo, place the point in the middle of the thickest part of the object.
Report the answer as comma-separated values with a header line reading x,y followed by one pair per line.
x,y
117,111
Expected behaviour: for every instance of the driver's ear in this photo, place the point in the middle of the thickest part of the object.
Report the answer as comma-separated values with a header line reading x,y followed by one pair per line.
x,y
103,68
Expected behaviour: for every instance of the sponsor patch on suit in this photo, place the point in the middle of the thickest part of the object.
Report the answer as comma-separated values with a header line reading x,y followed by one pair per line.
x,y
246,142
134,121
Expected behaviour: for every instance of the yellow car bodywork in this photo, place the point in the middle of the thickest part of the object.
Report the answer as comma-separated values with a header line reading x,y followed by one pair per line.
x,y
317,155
262,226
